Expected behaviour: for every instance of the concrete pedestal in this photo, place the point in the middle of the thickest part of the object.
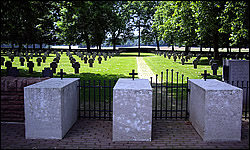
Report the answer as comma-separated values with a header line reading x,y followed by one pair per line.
x,y
132,110
50,108
215,109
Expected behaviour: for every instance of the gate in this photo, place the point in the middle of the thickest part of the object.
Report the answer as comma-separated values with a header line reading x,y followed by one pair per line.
x,y
169,98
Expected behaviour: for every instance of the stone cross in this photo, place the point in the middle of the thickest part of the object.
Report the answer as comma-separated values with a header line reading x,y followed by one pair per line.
x,y
44,58
205,74
8,65
182,60
22,61
27,58
38,60
2,60
61,73
85,60
47,73
195,62
169,56
76,66
133,74
53,65
91,61
105,56
214,67
30,65
100,59
175,57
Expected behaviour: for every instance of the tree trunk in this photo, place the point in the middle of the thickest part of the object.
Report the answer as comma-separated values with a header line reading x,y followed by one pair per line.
x,y
201,48
172,47
157,43
34,46
186,49
100,47
41,46
216,46
69,47
114,44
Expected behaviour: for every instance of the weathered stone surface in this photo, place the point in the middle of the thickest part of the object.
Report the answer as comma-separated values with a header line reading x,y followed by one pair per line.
x,y
132,110
215,109
50,108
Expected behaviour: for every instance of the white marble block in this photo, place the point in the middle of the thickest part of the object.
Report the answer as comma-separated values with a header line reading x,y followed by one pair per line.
x,y
215,109
132,110
50,108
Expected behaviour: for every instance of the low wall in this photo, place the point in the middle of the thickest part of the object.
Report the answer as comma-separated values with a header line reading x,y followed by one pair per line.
x,y
12,97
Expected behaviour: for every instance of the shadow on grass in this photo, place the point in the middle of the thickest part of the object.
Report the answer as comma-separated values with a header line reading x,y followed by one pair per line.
x,y
82,76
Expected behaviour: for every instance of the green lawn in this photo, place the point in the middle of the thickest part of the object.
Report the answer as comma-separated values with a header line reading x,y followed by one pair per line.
x,y
160,64
118,67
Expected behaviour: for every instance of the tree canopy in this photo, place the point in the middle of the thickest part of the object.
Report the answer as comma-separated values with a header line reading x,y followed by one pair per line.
x,y
184,23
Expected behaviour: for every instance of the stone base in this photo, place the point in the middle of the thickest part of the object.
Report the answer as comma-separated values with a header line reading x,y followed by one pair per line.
x,y
50,108
132,110
215,109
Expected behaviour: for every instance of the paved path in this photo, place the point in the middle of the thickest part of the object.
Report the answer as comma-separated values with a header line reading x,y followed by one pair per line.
x,y
90,133
144,72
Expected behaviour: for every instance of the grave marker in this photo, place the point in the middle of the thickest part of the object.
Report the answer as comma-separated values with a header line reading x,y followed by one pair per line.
x,y
205,74
38,60
44,58
8,65
133,74
76,66
214,67
91,61
2,60
47,73
61,73
30,64
22,60
182,60
100,59
195,62
53,65
85,60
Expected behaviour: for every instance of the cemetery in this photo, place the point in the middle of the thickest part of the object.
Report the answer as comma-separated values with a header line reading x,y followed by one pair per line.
x,y
183,90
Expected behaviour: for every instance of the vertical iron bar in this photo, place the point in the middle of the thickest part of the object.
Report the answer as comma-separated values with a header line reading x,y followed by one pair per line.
x,y
156,98
89,99
99,99
109,99
176,103
79,96
246,100
171,93
187,100
151,81
84,109
161,94
94,98
104,101
237,83
166,93
181,93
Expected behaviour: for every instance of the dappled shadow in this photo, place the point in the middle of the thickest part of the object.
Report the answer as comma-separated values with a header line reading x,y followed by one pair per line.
x,y
82,76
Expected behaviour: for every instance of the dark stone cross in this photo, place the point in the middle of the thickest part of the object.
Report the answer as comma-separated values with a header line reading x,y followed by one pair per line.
x,y
47,73
100,59
44,58
12,58
205,74
53,65
2,60
195,62
39,60
30,65
91,61
61,73
76,66
182,61
85,60
105,57
22,60
175,57
8,65
214,67
27,58
133,74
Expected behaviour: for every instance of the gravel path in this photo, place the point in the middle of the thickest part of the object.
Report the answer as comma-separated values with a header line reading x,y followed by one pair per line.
x,y
144,72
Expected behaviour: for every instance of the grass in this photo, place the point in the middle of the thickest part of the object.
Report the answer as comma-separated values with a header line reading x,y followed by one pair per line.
x,y
160,64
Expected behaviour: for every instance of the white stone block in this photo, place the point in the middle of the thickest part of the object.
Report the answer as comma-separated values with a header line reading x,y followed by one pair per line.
x,y
50,108
215,109
132,110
